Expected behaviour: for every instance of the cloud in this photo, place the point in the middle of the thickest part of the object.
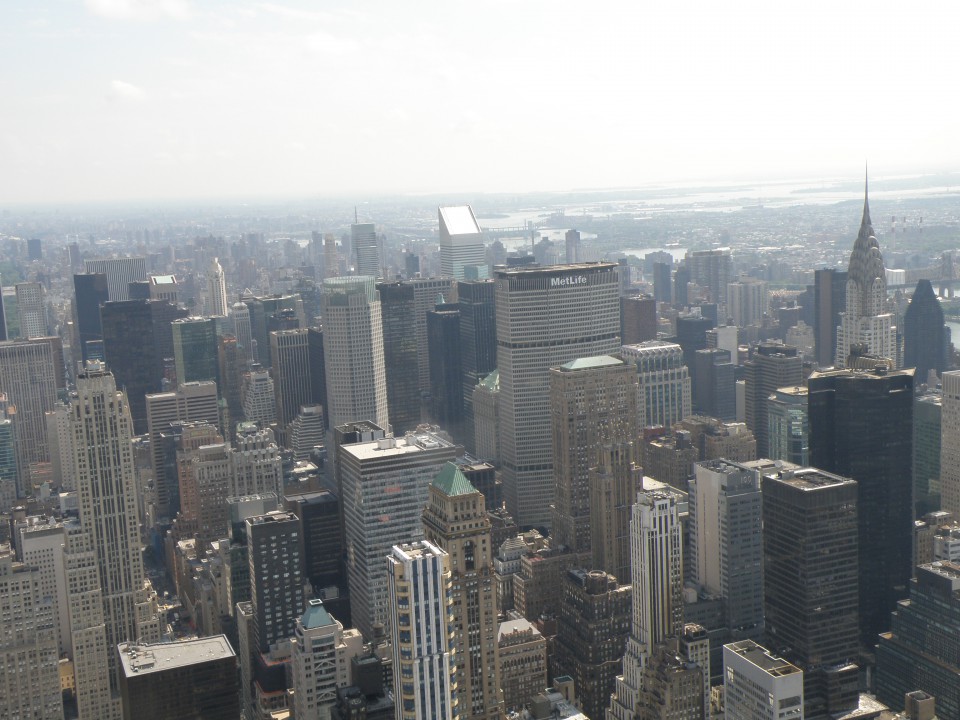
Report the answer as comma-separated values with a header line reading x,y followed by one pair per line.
x,y
120,90
141,10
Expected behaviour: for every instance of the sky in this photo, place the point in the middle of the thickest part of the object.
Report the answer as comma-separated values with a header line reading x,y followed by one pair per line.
x,y
183,99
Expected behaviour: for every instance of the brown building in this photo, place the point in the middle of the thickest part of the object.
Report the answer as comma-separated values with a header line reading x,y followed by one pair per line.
x,y
521,662
592,630
638,319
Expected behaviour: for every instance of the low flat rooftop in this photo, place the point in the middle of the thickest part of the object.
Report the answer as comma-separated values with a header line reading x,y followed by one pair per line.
x,y
143,659
762,658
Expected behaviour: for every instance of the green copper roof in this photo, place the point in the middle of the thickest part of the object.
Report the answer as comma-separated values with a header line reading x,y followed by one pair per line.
x,y
492,381
592,362
452,481
316,615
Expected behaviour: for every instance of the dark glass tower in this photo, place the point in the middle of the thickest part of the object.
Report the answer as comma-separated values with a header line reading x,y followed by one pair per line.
x,y
478,342
136,340
398,315
926,340
861,427
829,300
810,582
318,371
446,374
714,384
3,321
662,290
90,292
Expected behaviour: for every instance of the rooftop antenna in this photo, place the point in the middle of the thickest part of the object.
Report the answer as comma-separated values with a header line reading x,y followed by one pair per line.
x,y
355,220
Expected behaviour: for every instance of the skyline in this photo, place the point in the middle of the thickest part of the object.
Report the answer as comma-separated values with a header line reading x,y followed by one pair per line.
x,y
117,100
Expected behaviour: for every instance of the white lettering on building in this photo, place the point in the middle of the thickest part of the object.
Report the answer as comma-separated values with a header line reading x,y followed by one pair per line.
x,y
568,280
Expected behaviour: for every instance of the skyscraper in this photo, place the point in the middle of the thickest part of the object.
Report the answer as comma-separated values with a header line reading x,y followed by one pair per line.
x,y
926,340
366,250
29,678
120,273
255,462
32,307
241,328
810,582
216,290
353,349
462,253
28,377
950,443
191,402
195,349
593,405
714,384
927,448
107,491
398,310
426,292
638,319
726,548
424,662
90,292
665,389
455,520
258,397
446,374
657,566
290,359
860,427
478,343
788,426
747,301
711,270
865,320
758,685
773,366
545,317
830,299
384,488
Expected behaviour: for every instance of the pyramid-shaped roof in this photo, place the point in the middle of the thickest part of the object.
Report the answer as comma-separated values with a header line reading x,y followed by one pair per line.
x,y
452,481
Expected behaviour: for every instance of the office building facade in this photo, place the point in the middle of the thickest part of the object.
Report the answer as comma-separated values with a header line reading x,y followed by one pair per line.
x,y
462,252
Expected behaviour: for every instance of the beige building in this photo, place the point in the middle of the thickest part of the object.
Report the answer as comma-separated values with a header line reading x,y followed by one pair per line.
x,y
456,521
521,662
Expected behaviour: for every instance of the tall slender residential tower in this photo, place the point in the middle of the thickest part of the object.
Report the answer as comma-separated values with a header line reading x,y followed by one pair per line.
x,y
545,317
353,350
456,521
424,662
107,490
657,563
216,289
866,320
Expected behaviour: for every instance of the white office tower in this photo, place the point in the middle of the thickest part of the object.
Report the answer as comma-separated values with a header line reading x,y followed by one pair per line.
x,y
462,252
216,290
385,486
107,490
758,685
29,674
747,300
120,273
866,320
366,250
31,307
546,317
257,396
306,431
244,333
322,651
353,351
60,444
88,632
28,377
726,542
41,546
656,556
424,664
256,464
664,382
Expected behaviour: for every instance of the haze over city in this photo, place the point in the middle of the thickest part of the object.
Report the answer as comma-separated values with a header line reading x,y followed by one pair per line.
x,y
175,100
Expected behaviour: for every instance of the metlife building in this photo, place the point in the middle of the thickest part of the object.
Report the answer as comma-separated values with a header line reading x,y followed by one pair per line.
x,y
546,316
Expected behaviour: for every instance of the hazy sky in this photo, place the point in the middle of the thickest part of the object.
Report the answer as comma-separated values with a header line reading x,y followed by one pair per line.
x,y
141,99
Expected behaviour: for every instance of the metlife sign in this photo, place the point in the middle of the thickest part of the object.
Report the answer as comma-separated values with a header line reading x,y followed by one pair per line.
x,y
568,280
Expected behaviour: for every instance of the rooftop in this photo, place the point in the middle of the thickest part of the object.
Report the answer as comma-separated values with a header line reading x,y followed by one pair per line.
x,y
410,444
762,658
508,627
554,269
591,362
452,481
316,616
141,659
808,479
459,220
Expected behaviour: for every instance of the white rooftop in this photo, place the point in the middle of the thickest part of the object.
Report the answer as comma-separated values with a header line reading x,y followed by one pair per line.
x,y
157,657
459,220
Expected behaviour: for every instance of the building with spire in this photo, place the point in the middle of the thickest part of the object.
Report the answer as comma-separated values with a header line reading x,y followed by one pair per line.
x,y
456,521
866,320
216,289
